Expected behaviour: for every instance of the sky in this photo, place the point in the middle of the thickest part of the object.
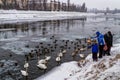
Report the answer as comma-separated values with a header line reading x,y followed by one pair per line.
x,y
99,4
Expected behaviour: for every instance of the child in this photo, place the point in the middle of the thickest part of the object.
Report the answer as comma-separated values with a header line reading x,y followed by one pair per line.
x,y
94,50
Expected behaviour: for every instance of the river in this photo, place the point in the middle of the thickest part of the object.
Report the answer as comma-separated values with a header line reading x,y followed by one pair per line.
x,y
19,39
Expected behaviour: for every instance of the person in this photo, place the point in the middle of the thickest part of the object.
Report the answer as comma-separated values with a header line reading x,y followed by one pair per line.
x,y
94,50
108,41
101,43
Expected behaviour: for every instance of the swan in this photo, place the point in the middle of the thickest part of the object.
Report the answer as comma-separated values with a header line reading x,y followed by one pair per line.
x,y
47,58
58,59
26,65
42,61
24,73
42,66
64,51
82,55
60,54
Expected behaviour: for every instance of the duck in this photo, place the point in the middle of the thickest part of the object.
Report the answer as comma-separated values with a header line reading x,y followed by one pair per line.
x,y
49,44
27,57
69,47
72,42
41,43
10,55
73,54
82,49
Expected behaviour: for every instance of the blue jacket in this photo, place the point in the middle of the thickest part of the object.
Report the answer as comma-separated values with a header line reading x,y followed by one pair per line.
x,y
100,38
94,48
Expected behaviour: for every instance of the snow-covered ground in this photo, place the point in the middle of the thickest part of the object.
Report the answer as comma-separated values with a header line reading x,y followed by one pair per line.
x,y
10,16
107,68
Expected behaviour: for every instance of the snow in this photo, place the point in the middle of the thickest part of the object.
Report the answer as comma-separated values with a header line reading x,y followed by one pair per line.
x,y
64,69
107,68
10,16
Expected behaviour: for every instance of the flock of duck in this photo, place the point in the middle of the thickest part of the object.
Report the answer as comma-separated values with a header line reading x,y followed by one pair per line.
x,y
77,47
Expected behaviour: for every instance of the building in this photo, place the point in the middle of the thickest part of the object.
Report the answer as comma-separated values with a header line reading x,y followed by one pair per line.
x,y
41,5
13,4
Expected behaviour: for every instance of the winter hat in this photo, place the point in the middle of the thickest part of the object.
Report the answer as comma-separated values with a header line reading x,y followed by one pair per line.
x,y
97,33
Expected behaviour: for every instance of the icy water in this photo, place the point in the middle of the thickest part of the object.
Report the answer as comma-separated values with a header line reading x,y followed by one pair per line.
x,y
20,38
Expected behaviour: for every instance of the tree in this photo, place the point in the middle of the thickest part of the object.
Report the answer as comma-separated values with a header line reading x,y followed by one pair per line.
x,y
44,5
83,8
4,4
68,5
59,6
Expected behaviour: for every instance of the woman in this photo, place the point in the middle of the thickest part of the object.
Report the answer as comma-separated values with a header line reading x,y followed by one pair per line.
x,y
109,41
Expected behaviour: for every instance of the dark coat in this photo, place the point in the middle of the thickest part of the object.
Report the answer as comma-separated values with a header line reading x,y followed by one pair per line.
x,y
108,39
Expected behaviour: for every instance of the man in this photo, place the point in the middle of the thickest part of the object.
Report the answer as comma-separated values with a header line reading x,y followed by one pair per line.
x,y
109,41
101,43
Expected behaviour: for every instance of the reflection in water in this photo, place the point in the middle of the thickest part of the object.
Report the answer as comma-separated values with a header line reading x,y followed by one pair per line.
x,y
79,27
42,28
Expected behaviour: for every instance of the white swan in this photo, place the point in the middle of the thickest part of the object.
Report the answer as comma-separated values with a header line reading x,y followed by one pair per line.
x,y
47,58
42,61
42,66
24,73
82,55
64,51
26,65
58,59
60,54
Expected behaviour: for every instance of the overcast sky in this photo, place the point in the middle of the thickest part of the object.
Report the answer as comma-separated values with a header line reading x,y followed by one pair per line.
x,y
100,4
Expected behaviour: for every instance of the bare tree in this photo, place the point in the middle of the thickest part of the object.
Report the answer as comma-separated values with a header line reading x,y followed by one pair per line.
x,y
44,5
68,5
59,6
4,4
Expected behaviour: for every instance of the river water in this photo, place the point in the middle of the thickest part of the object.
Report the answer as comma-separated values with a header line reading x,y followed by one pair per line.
x,y
21,38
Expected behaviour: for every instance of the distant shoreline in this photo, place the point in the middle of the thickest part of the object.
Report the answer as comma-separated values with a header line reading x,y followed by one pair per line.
x,y
14,16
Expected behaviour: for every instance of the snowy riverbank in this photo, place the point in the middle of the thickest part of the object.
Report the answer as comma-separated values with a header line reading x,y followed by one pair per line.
x,y
107,68
10,16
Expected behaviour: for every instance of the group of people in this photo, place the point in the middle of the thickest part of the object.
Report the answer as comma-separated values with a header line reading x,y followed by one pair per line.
x,y
101,45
